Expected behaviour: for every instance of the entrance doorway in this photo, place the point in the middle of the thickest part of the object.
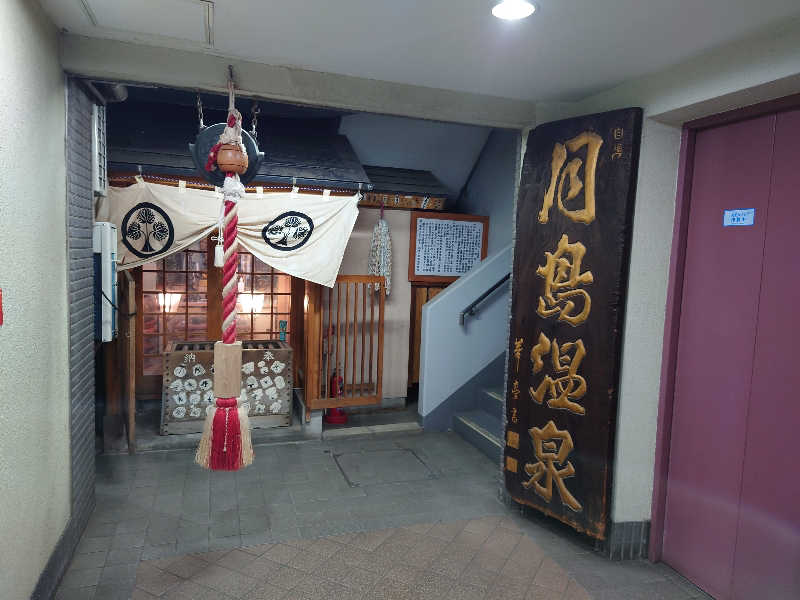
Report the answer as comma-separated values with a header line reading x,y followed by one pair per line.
x,y
732,520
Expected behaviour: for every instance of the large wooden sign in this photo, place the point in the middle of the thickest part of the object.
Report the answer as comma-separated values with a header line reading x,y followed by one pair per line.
x,y
574,217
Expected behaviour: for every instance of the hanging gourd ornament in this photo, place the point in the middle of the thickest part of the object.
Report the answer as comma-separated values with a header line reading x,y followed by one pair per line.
x,y
231,159
229,154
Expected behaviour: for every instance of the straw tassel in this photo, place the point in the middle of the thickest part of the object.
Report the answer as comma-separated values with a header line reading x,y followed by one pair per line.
x,y
247,442
204,447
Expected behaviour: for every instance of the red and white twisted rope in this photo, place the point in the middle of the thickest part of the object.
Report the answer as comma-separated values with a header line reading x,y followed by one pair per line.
x,y
230,274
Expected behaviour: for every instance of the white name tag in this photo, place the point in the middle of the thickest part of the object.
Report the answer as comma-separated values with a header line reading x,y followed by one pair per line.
x,y
739,217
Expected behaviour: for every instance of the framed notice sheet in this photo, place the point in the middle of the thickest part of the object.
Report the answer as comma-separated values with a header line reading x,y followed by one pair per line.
x,y
444,246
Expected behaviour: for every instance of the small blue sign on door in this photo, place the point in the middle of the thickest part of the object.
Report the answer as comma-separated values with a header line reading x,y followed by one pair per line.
x,y
282,325
739,217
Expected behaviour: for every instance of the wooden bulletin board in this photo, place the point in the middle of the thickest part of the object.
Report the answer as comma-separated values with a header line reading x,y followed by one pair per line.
x,y
188,388
445,243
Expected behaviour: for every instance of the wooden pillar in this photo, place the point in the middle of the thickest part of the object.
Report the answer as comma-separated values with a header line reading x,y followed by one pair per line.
x,y
297,327
129,337
313,343
111,378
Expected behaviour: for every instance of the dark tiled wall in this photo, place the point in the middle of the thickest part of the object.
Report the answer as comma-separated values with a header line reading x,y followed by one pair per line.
x,y
626,541
80,218
80,214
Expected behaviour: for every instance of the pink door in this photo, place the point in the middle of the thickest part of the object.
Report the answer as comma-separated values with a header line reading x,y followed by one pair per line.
x,y
732,522
715,352
767,563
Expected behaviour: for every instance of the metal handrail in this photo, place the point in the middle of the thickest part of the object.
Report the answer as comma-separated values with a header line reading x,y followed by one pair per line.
x,y
470,310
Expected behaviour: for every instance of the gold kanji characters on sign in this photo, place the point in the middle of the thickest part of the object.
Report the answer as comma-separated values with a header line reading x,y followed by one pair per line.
x,y
515,397
551,447
565,385
560,171
562,276
619,132
518,343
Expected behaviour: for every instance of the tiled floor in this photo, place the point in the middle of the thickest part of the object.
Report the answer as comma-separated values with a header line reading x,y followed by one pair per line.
x,y
391,516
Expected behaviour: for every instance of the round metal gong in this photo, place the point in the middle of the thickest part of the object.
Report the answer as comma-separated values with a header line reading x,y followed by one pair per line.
x,y
210,136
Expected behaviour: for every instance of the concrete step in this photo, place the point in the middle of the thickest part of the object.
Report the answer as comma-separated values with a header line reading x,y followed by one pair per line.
x,y
491,400
482,430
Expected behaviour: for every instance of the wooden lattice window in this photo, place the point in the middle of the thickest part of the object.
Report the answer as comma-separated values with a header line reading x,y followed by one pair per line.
x,y
265,300
174,303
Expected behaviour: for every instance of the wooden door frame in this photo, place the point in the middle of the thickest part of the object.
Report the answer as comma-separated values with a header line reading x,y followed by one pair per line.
x,y
677,264
413,332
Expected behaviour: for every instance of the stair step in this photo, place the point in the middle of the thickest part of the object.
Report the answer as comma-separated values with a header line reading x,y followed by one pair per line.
x,y
492,401
496,393
482,430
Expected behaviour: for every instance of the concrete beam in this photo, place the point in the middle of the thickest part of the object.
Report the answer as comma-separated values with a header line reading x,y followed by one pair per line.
x,y
135,63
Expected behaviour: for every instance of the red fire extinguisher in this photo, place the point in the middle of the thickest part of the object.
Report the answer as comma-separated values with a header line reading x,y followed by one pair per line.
x,y
336,416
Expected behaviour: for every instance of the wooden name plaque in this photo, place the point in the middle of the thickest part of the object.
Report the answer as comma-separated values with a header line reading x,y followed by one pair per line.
x,y
573,224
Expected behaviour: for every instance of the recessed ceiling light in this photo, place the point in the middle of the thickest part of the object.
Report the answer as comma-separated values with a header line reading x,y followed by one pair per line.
x,y
513,10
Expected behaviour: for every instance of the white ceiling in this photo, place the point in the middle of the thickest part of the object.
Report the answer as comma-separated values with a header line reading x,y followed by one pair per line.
x,y
566,50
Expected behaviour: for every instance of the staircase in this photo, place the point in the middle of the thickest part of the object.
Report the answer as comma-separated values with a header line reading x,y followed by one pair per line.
x,y
463,355
482,426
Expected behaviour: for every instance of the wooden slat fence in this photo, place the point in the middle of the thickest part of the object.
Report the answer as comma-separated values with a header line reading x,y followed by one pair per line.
x,y
347,322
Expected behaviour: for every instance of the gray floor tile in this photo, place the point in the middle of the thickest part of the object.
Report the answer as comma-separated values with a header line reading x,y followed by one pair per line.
x,y
89,561
133,525
125,541
95,529
663,590
118,574
120,557
115,591
90,545
82,593
224,543
77,578
453,535
160,551
199,546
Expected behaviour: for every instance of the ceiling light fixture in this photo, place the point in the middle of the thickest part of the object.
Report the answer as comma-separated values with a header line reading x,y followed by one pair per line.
x,y
513,10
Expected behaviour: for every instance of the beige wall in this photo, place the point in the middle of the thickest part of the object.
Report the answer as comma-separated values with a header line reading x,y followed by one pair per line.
x,y
34,383
398,304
